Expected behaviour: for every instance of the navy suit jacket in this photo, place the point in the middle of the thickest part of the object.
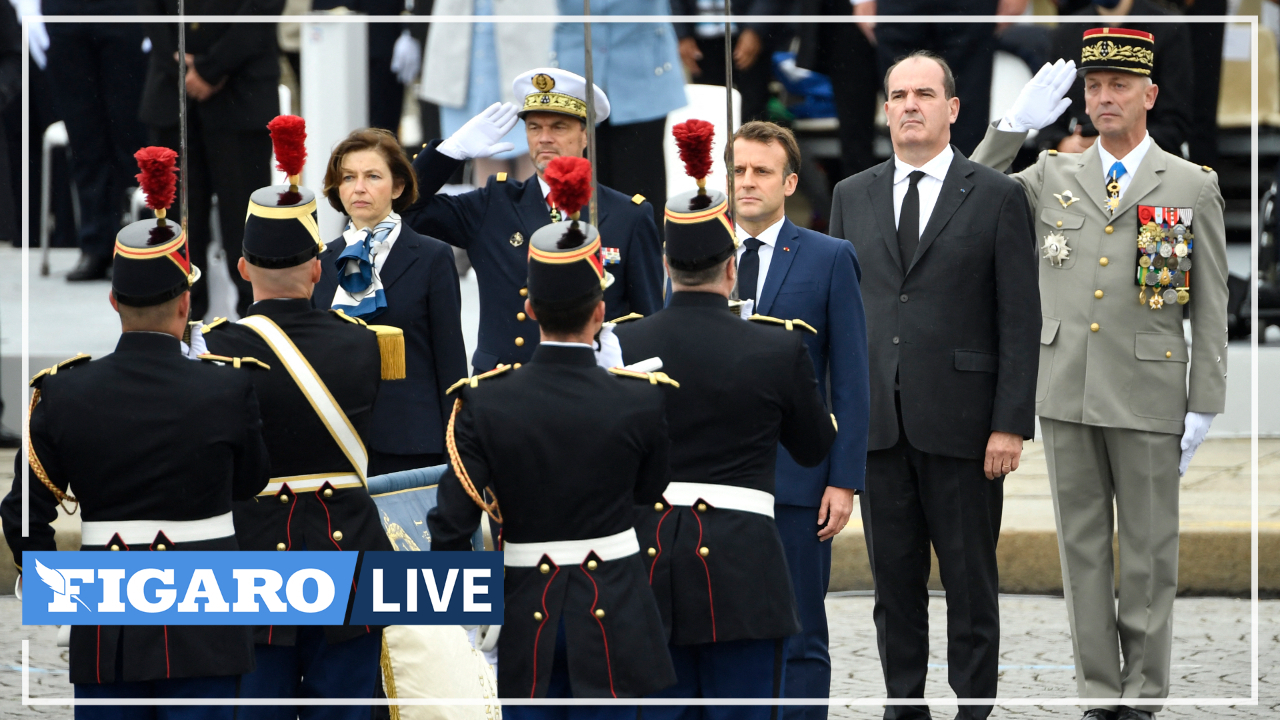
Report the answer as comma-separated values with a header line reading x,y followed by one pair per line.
x,y
815,278
421,285
494,224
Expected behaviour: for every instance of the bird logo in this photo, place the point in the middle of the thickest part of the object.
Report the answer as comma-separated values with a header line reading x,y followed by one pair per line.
x,y
56,582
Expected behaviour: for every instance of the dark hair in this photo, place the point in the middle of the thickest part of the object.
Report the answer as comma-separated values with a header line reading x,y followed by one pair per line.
x,y
697,278
389,148
948,79
767,132
567,316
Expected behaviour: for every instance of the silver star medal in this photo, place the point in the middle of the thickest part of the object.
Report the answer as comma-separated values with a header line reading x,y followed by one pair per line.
x,y
1055,248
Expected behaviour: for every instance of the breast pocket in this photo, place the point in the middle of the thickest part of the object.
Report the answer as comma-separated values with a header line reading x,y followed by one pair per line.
x,y
796,288
1059,233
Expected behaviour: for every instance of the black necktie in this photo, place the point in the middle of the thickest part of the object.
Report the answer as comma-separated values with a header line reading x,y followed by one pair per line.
x,y
909,222
749,269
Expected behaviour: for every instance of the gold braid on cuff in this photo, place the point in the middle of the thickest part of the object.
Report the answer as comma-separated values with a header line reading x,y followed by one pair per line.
x,y
37,467
461,471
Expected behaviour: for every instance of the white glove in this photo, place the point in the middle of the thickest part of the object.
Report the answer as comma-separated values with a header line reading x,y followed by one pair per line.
x,y
1197,426
197,346
1042,100
481,136
37,35
17,588
406,58
609,354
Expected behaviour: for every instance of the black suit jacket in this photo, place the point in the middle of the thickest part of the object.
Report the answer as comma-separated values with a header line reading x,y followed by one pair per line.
x,y
144,434
567,449
961,328
423,299
245,55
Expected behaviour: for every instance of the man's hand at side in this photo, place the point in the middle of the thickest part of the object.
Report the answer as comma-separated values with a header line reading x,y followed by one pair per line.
x,y
837,506
1004,450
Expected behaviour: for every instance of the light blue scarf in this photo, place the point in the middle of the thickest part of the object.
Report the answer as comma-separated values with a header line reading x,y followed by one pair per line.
x,y
360,292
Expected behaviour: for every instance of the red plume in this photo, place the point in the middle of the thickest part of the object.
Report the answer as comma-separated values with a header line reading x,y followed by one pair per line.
x,y
288,136
693,137
159,177
570,181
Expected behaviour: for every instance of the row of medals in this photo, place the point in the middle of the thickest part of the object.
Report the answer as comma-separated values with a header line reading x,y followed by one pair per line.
x,y
1164,261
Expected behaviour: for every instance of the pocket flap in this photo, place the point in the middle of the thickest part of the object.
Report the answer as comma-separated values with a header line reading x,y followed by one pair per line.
x,y
797,287
1160,346
1069,221
1048,329
977,361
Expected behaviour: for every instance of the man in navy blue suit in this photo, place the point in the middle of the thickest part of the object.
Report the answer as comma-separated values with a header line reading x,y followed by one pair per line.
x,y
493,223
798,274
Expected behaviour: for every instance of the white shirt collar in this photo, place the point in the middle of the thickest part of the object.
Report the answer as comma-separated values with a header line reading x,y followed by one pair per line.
x,y
769,236
935,168
1131,161
556,343
353,235
546,190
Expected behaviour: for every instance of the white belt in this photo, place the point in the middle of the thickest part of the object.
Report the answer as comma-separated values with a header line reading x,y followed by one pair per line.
x,y
303,483
570,552
144,531
724,497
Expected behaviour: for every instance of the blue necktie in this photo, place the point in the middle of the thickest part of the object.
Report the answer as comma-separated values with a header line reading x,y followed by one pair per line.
x,y
1117,171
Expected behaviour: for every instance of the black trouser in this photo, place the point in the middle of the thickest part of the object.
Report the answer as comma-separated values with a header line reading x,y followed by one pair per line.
x,y
386,95
913,500
752,83
96,71
852,63
631,161
969,48
1206,54
230,164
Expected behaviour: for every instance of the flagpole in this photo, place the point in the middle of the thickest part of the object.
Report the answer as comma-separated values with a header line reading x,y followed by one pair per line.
x,y
591,113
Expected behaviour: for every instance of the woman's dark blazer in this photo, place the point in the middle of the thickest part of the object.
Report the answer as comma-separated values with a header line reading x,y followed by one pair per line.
x,y
421,285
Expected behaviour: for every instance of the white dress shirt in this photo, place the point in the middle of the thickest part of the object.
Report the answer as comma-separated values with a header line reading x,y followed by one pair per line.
x,y
546,192
1131,162
768,239
935,171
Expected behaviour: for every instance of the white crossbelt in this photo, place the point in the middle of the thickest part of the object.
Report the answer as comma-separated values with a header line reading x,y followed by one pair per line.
x,y
723,497
144,531
570,552
306,483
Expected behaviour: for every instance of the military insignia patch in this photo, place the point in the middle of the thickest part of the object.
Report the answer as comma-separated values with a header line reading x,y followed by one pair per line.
x,y
1165,244
1066,198
543,82
612,256
516,239
1055,248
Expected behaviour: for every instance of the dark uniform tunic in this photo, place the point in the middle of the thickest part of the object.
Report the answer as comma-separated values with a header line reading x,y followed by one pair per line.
x,y
568,449
345,355
743,388
494,224
144,434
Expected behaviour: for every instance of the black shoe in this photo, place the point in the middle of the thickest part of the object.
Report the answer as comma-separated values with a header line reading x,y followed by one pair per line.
x,y
90,267
1099,714
9,439
1128,713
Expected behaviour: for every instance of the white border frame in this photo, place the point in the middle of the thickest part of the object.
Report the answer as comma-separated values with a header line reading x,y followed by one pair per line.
x,y
601,19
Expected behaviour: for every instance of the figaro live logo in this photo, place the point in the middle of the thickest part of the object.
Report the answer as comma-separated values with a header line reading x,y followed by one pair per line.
x,y
262,588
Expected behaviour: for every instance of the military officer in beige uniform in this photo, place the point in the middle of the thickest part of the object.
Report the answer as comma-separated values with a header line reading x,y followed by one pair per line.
x,y
1127,235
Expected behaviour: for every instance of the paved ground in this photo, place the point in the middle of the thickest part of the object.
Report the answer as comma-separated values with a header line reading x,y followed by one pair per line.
x,y
1212,658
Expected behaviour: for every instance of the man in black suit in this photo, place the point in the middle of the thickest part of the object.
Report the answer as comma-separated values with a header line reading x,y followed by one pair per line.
x,y
953,326
316,499
232,80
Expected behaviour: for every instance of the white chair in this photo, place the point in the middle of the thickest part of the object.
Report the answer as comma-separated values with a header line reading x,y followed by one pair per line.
x,y
55,136
706,102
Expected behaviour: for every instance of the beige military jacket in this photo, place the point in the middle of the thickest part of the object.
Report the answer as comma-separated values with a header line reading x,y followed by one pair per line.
x,y
1105,359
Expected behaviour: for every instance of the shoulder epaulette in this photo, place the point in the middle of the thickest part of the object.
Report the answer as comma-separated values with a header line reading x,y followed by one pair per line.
x,y
1052,153
79,359
653,377
627,318
637,199
348,318
236,362
788,324
391,349
502,177
474,380
1206,168
212,324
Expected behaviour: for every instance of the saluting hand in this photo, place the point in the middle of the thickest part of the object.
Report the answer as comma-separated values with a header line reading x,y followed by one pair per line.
x,y
481,136
837,506
1043,99
1004,450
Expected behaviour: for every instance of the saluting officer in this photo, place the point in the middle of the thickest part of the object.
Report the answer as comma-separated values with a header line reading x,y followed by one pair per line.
x,y
316,405
493,224
567,449
154,447
1123,403
715,559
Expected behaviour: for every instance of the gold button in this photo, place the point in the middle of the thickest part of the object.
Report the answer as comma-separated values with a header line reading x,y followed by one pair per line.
x,y
516,366
1168,353
1102,262
337,534
161,547
524,292
657,506
1097,294
1094,327
1059,223
115,547
703,551
284,499
545,568
328,492
281,546
521,316
537,616
599,612
519,342
653,552
592,565
1108,229
702,507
